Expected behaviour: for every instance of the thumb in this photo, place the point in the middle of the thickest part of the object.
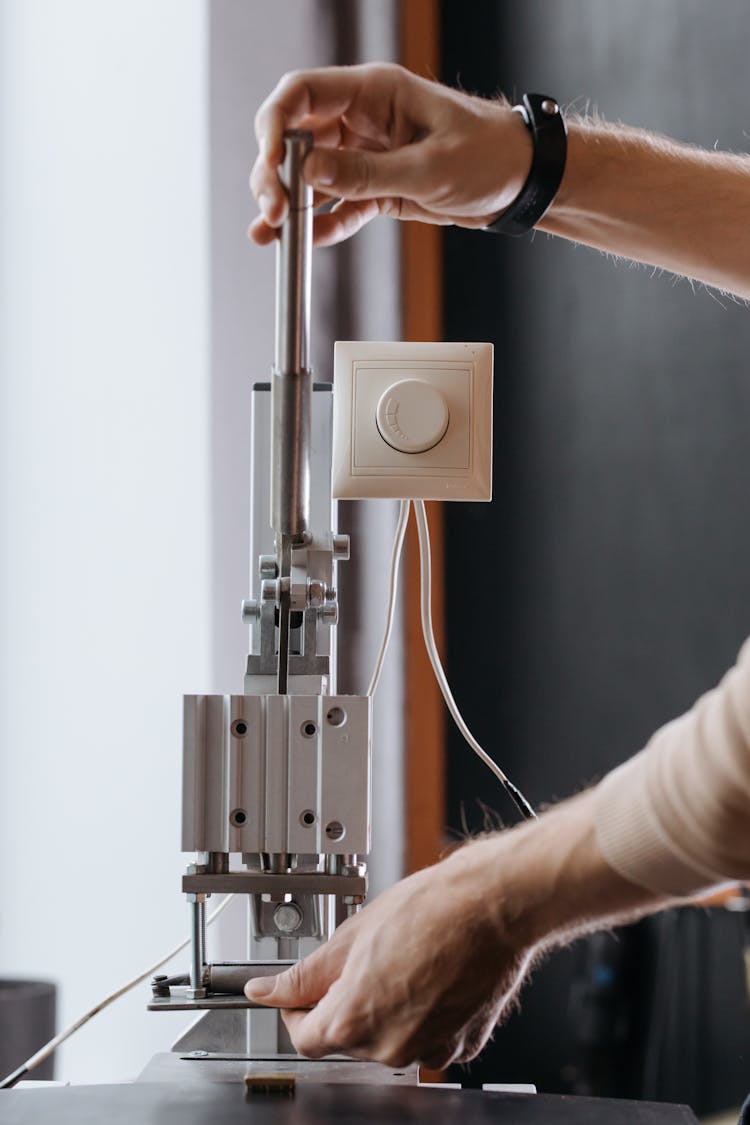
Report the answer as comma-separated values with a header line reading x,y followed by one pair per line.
x,y
361,174
302,985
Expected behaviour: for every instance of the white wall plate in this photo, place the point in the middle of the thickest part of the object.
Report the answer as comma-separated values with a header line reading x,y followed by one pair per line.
x,y
412,421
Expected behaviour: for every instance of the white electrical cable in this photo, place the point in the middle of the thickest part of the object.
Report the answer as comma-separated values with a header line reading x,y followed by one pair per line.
x,y
45,1051
425,601
398,543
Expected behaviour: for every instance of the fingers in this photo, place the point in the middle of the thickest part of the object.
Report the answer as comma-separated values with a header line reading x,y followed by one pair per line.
x,y
362,174
307,981
315,96
307,1036
344,220
329,228
325,92
336,1024
299,987
264,179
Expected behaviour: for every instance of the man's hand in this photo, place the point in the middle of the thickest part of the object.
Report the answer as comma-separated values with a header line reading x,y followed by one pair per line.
x,y
388,142
423,973
427,970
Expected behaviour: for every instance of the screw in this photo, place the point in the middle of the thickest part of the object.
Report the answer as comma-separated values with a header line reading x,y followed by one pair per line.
x,y
550,107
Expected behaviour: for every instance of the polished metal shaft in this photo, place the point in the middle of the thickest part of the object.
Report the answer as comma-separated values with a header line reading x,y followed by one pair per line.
x,y
291,387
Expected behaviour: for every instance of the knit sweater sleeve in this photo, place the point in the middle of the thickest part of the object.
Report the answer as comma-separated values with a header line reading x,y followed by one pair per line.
x,y
676,818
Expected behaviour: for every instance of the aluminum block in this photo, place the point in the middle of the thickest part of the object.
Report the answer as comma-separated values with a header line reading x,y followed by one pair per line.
x,y
276,773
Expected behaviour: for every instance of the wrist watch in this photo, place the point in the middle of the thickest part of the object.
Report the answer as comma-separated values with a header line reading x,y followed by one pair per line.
x,y
545,122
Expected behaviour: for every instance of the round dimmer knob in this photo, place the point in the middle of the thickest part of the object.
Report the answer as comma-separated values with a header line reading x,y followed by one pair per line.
x,y
412,416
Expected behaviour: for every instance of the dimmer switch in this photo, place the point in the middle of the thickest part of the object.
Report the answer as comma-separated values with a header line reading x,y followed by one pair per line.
x,y
412,421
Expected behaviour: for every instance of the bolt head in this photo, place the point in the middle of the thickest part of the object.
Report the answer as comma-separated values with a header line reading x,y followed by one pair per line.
x,y
328,614
287,917
341,547
316,592
268,567
550,107
269,591
250,611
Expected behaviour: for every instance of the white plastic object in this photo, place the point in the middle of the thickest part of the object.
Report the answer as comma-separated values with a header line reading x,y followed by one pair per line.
x,y
412,420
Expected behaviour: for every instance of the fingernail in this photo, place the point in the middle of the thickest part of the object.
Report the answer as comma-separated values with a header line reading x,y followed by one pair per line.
x,y
320,168
265,203
258,987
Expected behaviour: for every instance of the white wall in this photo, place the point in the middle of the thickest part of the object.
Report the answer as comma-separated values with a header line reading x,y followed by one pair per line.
x,y
125,143
104,479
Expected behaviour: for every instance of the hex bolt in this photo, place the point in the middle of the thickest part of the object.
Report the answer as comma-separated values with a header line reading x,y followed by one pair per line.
x,y
316,593
287,917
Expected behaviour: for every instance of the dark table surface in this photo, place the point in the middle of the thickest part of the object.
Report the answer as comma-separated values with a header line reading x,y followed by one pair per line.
x,y
223,1103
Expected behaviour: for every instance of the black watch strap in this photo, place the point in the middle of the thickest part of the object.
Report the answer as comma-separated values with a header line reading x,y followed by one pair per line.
x,y
549,135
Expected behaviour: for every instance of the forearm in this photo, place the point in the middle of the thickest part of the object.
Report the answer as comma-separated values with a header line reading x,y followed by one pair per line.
x,y
653,200
547,881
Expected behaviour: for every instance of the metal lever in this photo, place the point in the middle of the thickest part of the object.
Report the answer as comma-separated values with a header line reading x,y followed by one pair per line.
x,y
291,383
291,388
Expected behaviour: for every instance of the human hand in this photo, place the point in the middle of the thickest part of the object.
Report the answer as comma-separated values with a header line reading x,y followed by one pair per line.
x,y
388,142
422,973
426,971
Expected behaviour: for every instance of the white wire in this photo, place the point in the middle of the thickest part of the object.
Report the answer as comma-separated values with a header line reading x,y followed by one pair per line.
x,y
45,1051
398,543
425,601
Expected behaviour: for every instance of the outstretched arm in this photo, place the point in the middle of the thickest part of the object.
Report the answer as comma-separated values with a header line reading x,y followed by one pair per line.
x,y
389,142
428,969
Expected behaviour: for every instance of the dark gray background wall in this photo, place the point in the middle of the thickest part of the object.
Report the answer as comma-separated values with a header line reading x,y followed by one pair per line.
x,y
611,574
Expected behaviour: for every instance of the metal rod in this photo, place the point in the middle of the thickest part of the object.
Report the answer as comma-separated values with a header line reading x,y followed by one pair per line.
x,y
285,566
291,384
197,940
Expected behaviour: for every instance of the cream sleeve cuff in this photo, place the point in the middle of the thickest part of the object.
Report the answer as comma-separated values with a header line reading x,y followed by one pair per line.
x,y
676,818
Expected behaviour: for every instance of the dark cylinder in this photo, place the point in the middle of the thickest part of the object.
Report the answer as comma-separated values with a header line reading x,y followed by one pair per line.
x,y
27,1022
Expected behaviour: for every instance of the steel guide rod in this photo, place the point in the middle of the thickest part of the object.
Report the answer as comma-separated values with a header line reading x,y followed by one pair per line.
x,y
291,382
